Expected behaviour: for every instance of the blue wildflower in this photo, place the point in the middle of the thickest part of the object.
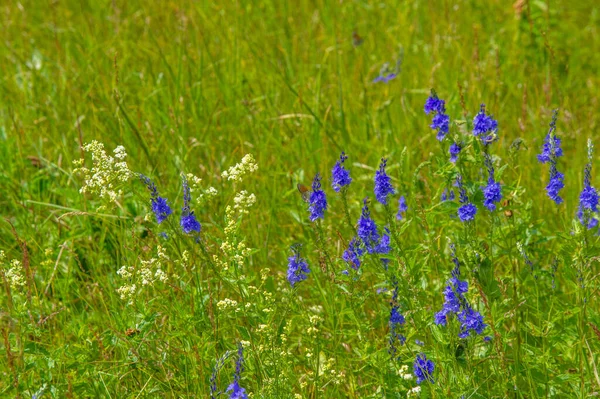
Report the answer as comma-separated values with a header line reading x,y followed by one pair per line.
x,y
551,151
470,320
213,377
440,121
318,201
419,342
467,211
159,205
588,199
447,195
354,252
237,392
340,177
385,75
551,148
485,127
402,207
454,150
396,322
423,368
384,246
456,303
487,338
297,267
557,182
492,193
433,104
367,232
188,220
383,185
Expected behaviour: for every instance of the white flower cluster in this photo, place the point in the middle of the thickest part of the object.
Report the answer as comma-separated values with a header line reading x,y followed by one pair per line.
x,y
404,373
315,320
243,201
201,195
327,370
233,251
413,391
146,275
14,273
107,172
227,304
236,172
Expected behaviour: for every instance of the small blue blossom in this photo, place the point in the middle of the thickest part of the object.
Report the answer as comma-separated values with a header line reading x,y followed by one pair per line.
x,y
383,185
433,104
353,254
588,199
384,246
423,368
340,177
454,150
419,342
160,205
402,207
189,223
447,195
297,267
318,201
188,220
467,211
470,320
385,75
487,338
440,121
492,193
485,127
367,232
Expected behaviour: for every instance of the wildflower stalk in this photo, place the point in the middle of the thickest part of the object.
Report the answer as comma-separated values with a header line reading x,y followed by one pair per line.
x,y
321,244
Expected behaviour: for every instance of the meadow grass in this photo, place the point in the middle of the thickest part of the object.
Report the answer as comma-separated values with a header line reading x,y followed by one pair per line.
x,y
190,87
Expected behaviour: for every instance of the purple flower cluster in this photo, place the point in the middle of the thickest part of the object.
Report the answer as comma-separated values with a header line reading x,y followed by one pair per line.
x,y
454,150
160,205
492,193
551,151
297,267
468,210
367,232
354,253
340,177
456,303
588,199
402,208
440,121
318,201
383,185
423,369
485,127
188,220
